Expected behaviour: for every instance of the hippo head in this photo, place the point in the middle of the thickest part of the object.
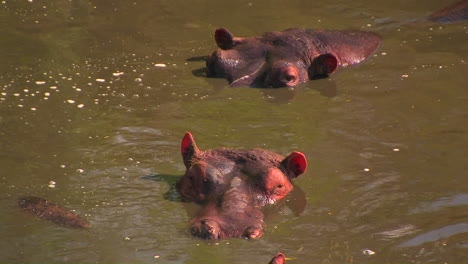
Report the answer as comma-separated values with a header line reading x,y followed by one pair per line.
x,y
233,185
287,58
209,173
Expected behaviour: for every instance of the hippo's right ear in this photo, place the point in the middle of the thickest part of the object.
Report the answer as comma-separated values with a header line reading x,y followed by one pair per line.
x,y
225,40
296,163
188,148
322,66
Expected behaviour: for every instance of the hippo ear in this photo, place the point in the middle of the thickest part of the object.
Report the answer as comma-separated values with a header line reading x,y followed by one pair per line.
x,y
188,148
278,259
296,163
322,66
225,39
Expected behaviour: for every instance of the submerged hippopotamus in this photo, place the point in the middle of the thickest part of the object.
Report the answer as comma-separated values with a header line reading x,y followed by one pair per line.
x,y
279,258
287,58
232,185
294,56
454,13
50,211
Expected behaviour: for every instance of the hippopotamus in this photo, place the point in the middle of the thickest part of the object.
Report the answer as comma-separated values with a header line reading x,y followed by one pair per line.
x,y
232,185
287,58
50,211
294,56
453,13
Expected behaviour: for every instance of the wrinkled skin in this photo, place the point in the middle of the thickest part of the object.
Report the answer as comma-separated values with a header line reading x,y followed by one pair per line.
x,y
234,214
233,185
287,58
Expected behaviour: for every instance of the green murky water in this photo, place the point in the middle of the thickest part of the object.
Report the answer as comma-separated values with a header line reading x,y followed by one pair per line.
x,y
85,102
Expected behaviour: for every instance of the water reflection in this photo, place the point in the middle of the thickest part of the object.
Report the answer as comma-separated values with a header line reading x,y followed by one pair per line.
x,y
442,203
402,231
172,194
437,234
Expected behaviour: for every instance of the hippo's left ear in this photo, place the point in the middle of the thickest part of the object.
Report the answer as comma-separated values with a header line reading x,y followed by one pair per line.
x,y
323,66
225,40
188,149
296,163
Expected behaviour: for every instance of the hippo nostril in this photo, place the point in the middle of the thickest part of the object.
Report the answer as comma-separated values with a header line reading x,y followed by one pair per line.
x,y
289,78
201,197
289,75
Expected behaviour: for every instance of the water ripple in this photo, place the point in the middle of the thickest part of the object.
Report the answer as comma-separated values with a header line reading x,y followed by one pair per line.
x,y
452,201
434,235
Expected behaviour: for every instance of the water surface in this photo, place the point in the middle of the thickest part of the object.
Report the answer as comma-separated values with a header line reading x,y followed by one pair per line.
x,y
86,102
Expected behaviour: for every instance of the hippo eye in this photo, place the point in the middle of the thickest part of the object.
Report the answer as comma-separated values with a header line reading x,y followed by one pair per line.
x,y
206,181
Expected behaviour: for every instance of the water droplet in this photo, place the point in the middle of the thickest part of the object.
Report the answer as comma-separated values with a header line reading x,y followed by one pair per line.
x,y
117,73
368,252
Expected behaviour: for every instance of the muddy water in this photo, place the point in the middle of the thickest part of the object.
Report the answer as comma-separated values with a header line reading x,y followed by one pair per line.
x,y
96,96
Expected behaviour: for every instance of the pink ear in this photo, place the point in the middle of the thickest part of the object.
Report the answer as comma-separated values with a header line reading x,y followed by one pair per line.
x,y
187,143
323,65
278,259
296,162
188,148
224,38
